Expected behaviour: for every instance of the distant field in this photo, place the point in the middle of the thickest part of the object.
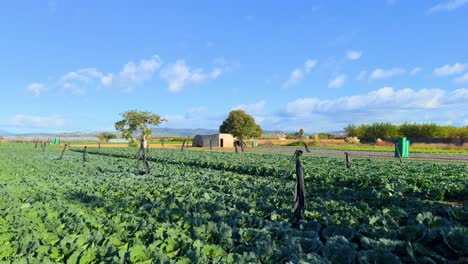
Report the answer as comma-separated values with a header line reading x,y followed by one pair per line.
x,y
383,147
387,149
416,148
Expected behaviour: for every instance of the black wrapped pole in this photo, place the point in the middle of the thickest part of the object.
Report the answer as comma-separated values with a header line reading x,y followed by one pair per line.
x,y
306,147
141,149
99,144
299,194
183,145
347,161
162,142
143,156
398,151
235,145
44,146
63,151
147,167
84,153
35,145
211,143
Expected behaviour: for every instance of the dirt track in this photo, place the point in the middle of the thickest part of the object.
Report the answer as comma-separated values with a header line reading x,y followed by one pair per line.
x,y
372,154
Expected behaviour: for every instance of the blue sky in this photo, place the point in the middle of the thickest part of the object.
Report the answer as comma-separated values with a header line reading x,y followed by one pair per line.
x,y
318,65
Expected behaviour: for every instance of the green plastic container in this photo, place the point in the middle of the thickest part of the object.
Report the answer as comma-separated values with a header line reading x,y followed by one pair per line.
x,y
55,141
254,144
402,148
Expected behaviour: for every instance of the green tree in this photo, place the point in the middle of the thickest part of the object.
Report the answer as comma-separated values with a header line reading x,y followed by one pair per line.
x,y
454,132
300,134
241,125
413,130
138,121
105,136
381,130
353,131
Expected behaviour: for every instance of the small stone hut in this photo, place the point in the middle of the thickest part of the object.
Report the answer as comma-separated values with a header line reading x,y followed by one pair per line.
x,y
221,140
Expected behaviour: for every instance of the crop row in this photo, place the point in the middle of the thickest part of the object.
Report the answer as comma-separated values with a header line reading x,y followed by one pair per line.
x,y
434,181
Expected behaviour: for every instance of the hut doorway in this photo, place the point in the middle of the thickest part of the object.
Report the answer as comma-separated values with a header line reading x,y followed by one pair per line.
x,y
221,143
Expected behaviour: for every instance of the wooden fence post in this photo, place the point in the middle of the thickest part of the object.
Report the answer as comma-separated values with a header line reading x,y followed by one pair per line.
x,y
84,153
63,151
299,194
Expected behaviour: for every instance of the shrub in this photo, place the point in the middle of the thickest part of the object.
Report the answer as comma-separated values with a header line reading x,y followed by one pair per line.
x,y
352,140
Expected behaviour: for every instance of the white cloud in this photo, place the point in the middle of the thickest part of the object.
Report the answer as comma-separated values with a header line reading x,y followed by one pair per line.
x,y
383,99
81,80
337,82
257,110
309,65
462,79
297,74
53,121
179,75
196,117
448,5
458,96
36,88
415,71
381,105
361,76
353,54
320,115
78,82
107,79
448,69
382,73
195,112
135,73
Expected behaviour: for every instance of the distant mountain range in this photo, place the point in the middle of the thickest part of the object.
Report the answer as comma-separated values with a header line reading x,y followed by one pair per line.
x,y
5,133
191,132
156,132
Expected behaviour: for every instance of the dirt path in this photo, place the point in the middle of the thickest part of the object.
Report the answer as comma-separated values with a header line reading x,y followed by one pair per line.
x,y
373,154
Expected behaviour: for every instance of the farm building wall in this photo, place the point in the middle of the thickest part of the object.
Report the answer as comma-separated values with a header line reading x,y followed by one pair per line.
x,y
217,140
225,140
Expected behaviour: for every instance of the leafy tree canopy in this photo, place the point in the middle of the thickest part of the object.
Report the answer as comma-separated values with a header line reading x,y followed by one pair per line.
x,y
300,134
137,121
105,136
241,125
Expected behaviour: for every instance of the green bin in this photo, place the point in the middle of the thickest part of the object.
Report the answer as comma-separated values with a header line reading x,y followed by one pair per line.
x,y
402,148
55,141
254,144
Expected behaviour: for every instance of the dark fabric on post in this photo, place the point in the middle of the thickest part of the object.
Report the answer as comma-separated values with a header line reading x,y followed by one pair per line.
x,y
299,194
347,161
84,153
306,147
399,154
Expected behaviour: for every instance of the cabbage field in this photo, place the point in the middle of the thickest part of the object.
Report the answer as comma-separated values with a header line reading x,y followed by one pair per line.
x,y
219,207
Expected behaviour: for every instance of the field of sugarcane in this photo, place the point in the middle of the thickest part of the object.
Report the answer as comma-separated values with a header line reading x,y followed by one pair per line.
x,y
106,205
